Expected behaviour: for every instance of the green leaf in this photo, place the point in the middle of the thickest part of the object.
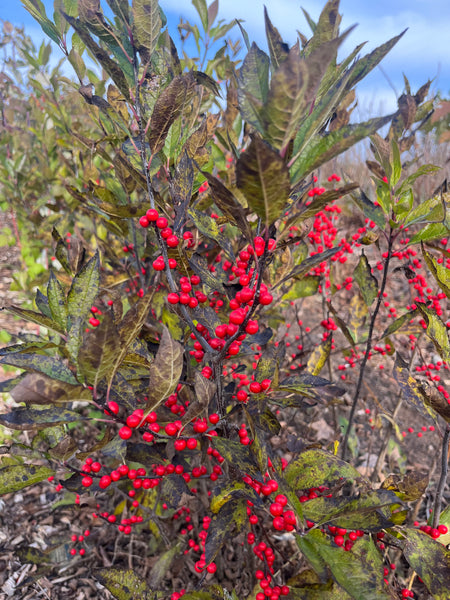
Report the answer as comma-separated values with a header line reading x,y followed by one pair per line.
x,y
286,100
326,28
367,282
98,351
235,454
364,65
269,363
228,204
253,86
202,10
320,466
168,107
124,584
279,51
398,323
412,391
81,296
408,182
165,371
324,147
225,493
57,301
232,514
41,302
319,357
129,329
439,271
37,11
146,26
264,179
311,386
212,230
17,477
432,210
370,210
436,330
25,419
358,571
430,560
433,231
306,286
110,65
396,164
53,367
35,317
84,289
369,511
200,266
162,566
309,263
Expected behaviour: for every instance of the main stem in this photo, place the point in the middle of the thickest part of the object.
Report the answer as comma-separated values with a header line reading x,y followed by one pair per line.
x,y
368,346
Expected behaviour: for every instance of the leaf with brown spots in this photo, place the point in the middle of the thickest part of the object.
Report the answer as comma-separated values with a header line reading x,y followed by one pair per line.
x,y
36,388
17,477
24,419
430,560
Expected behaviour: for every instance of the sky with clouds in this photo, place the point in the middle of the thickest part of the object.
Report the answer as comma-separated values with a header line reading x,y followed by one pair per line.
x,y
422,53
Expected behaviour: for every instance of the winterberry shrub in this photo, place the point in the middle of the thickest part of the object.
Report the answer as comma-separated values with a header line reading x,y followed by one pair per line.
x,y
164,333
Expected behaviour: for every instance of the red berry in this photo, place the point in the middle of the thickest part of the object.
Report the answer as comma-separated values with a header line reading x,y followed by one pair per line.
x,y
173,298
180,445
133,421
265,299
242,395
113,407
171,429
252,327
152,214
161,222
172,241
125,432
276,509
255,387
237,316
158,264
191,443
144,222
105,481
339,540
94,322
86,481
214,418
278,523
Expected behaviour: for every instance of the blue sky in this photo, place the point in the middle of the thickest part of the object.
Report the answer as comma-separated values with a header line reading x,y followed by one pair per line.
x,y
422,53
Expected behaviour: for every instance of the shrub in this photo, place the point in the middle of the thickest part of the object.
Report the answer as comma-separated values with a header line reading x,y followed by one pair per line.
x,y
163,317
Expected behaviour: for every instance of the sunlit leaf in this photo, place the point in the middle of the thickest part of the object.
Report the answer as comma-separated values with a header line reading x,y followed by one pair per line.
x,y
17,477
124,584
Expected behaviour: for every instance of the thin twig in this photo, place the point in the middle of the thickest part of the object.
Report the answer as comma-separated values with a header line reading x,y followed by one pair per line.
x,y
443,477
368,346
